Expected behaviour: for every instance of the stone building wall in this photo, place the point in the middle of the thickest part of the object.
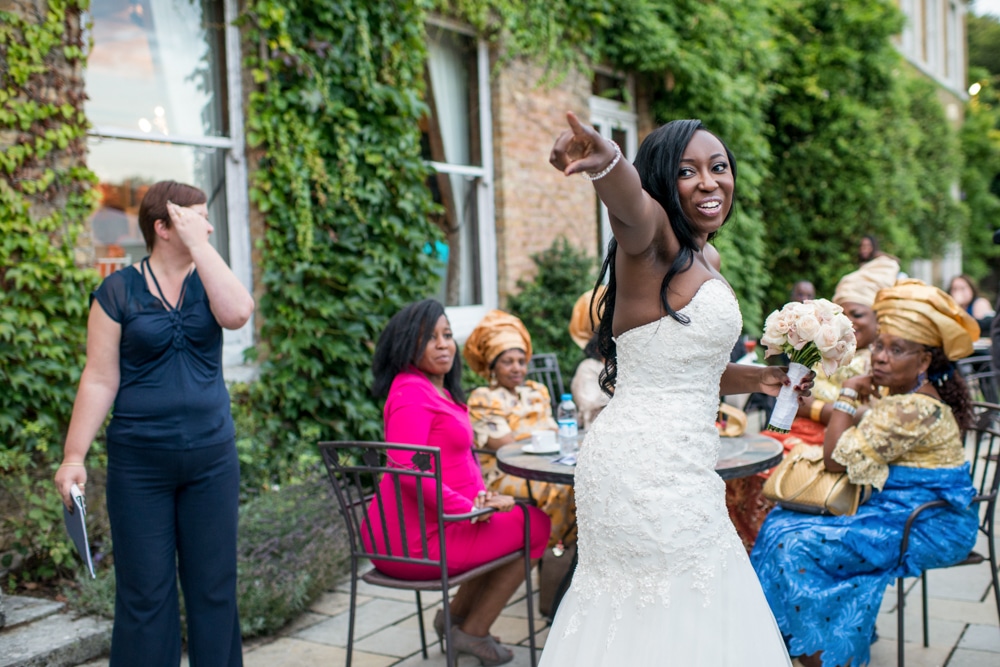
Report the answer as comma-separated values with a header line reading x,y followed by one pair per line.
x,y
535,204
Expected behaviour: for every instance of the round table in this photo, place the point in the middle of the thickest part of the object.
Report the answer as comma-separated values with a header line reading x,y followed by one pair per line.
x,y
741,456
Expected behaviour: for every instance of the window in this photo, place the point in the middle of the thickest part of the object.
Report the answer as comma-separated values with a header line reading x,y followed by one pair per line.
x,y
457,143
164,103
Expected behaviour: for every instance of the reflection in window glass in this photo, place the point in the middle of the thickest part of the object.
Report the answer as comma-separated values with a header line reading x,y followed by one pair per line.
x,y
156,67
126,169
451,138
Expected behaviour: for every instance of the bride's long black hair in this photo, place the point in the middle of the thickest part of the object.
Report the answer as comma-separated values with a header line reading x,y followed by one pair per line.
x,y
658,163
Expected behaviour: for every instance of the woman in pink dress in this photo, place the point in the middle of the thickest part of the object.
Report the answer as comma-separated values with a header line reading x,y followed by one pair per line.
x,y
417,367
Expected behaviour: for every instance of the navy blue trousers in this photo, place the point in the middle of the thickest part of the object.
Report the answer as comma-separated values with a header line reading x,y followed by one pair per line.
x,y
174,512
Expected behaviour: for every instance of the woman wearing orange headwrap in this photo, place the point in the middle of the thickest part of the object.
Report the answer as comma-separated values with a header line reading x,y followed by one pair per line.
x,y
588,395
509,409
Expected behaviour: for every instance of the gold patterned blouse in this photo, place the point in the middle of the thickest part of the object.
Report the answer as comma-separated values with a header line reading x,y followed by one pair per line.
x,y
912,430
828,388
497,411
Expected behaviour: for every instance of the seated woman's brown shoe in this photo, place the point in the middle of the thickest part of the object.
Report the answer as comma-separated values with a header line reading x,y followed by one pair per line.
x,y
485,648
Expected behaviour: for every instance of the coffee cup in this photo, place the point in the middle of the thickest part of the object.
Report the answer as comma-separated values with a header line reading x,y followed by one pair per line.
x,y
543,440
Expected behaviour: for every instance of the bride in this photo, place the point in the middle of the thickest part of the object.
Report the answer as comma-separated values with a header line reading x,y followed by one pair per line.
x,y
663,578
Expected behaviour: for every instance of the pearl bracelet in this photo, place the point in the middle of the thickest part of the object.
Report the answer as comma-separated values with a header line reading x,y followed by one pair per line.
x,y
844,406
590,176
849,393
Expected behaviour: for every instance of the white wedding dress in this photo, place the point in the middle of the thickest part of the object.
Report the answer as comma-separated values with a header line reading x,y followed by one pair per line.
x,y
663,578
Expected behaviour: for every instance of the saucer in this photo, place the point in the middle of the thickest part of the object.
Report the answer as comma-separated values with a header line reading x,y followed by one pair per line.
x,y
531,449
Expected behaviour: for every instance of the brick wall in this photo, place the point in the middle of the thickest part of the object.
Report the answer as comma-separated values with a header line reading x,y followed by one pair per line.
x,y
535,204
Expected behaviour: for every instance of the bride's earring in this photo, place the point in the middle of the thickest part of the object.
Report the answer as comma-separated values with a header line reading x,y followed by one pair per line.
x,y
493,380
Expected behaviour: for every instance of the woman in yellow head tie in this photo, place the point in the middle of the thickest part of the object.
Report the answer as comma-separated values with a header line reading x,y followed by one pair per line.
x,y
824,576
509,409
588,395
855,293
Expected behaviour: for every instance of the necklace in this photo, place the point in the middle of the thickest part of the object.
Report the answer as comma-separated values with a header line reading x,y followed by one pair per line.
x,y
921,381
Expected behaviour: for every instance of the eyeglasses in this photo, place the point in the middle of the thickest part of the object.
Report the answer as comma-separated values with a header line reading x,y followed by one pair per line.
x,y
893,351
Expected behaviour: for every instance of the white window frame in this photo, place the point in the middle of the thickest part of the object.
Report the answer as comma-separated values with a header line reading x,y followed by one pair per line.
x,y
234,343
607,115
464,319
945,62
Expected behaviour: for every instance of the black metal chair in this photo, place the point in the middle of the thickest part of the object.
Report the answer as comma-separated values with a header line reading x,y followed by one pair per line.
x,y
983,441
979,375
544,368
355,470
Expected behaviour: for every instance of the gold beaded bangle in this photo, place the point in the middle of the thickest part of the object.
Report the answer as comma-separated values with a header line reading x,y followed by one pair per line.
x,y
816,409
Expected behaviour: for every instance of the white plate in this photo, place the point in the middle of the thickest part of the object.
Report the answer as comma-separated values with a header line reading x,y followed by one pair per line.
x,y
530,449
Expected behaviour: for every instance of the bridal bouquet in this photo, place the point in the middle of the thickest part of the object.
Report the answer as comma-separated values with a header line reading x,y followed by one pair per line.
x,y
809,333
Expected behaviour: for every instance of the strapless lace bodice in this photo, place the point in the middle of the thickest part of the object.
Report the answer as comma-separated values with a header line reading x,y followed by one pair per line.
x,y
663,578
650,505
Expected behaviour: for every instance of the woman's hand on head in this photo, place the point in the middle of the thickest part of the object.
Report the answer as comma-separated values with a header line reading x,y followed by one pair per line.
x,y
191,227
580,148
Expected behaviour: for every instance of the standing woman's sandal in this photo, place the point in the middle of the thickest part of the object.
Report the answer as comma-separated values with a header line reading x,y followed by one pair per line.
x,y
485,648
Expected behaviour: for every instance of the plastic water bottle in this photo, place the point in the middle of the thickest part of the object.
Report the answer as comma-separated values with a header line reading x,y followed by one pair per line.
x,y
566,419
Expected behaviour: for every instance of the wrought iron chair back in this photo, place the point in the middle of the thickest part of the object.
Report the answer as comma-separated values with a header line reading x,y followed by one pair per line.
x,y
544,368
357,471
982,443
980,377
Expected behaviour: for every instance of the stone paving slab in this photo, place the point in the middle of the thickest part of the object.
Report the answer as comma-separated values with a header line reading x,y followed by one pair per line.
x,y
982,638
292,652
371,617
23,609
966,658
57,640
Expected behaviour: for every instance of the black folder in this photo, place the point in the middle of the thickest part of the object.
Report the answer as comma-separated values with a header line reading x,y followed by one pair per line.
x,y
76,526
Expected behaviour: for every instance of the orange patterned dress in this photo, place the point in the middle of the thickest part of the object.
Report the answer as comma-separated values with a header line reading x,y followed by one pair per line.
x,y
496,412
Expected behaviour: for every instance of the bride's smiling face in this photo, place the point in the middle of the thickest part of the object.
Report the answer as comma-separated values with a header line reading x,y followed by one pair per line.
x,y
705,182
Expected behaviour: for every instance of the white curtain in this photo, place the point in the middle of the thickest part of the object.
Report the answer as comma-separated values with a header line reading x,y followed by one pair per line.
x,y
450,86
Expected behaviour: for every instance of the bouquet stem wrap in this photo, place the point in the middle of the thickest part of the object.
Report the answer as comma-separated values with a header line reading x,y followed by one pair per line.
x,y
788,400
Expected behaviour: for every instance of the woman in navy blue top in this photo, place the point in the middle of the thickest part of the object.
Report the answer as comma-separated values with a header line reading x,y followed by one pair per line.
x,y
154,352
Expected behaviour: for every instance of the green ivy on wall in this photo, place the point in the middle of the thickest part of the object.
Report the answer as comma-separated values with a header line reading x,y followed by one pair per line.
x,y
334,124
45,196
711,61
860,146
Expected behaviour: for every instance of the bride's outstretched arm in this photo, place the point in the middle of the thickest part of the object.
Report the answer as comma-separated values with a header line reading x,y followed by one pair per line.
x,y
635,216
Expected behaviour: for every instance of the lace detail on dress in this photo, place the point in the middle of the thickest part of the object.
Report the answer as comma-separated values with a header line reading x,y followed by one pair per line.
x,y
650,506
914,430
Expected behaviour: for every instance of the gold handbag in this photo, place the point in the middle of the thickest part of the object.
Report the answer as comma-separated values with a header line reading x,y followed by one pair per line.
x,y
731,422
802,483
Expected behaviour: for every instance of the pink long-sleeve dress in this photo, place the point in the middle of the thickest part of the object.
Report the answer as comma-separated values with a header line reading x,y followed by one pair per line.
x,y
416,414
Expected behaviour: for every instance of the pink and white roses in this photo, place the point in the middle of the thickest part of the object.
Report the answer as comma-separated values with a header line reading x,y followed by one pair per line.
x,y
812,332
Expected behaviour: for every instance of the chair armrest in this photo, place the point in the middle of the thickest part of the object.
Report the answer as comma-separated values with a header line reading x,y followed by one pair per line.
x,y
905,542
483,450
468,515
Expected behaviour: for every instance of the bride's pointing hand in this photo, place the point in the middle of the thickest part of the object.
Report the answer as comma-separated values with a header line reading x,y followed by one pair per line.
x,y
580,148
